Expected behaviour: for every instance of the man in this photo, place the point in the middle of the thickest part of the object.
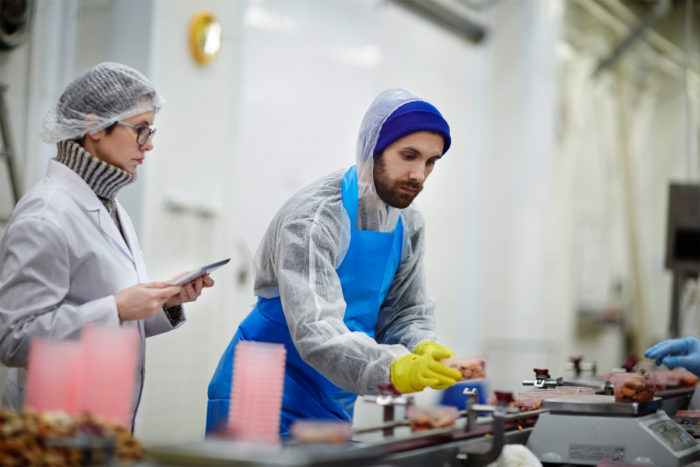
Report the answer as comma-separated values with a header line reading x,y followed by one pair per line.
x,y
340,278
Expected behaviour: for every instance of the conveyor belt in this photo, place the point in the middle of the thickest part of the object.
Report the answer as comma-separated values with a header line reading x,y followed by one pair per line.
x,y
446,446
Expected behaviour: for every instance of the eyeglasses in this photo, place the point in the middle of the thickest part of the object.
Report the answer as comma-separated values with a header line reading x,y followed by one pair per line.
x,y
143,133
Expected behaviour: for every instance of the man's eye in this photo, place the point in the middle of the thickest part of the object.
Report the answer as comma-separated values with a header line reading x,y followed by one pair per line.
x,y
409,156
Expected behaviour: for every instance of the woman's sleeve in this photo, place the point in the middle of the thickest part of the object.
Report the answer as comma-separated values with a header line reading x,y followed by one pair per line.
x,y
34,281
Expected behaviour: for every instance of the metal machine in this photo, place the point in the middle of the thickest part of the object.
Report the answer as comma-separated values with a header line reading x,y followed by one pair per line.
x,y
587,428
581,429
682,245
472,441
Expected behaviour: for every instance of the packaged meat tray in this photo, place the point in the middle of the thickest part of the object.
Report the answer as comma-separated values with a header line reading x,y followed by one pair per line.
x,y
634,387
470,366
321,431
430,418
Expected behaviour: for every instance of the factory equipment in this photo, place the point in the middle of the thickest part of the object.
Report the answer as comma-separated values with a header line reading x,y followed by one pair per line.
x,y
559,423
581,368
588,428
471,441
682,244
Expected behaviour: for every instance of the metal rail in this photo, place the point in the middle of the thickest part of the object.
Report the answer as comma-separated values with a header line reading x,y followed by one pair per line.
x,y
8,150
455,431
478,442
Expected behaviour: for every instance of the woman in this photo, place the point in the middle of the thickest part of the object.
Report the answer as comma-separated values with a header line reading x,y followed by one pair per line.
x,y
69,256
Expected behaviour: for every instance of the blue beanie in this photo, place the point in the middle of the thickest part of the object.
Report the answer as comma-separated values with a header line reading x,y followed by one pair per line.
x,y
410,118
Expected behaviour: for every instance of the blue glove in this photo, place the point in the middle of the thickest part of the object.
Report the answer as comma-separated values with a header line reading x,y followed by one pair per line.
x,y
684,352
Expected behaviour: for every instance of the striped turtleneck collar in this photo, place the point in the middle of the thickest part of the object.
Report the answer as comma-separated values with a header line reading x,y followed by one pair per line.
x,y
104,179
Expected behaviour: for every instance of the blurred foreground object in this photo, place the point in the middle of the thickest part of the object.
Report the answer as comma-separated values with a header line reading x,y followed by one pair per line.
x,y
256,391
516,455
109,363
95,375
53,375
430,418
54,438
321,431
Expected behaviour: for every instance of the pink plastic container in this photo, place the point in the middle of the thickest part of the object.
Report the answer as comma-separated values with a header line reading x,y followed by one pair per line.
x,y
256,392
109,371
53,375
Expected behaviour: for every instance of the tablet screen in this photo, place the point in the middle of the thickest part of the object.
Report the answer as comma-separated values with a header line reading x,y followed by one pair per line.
x,y
199,272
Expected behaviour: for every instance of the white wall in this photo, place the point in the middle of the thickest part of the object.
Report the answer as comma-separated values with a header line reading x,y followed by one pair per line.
x,y
193,164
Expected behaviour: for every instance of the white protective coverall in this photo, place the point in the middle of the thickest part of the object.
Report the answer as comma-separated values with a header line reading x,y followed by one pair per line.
x,y
305,244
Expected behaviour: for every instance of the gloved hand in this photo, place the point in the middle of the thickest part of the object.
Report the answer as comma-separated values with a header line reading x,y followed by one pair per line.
x,y
429,347
412,372
684,352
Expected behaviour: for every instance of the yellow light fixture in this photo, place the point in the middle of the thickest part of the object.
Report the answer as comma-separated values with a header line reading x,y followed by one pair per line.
x,y
205,37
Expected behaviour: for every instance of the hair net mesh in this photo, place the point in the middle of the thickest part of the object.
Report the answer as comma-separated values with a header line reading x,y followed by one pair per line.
x,y
100,96
373,213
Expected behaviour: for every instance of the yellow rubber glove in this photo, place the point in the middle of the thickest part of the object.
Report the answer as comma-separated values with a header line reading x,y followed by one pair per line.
x,y
412,372
438,352
429,347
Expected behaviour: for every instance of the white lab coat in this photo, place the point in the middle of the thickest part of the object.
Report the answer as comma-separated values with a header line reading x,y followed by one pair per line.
x,y
62,260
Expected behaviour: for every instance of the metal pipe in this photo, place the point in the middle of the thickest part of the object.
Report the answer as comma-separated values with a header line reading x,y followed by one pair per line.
x,y
446,18
8,149
647,21
670,56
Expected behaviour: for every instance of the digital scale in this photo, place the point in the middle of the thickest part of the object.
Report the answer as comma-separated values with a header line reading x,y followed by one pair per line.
x,y
588,428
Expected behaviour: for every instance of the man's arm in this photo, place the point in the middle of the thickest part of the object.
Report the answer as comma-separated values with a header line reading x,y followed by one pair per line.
x,y
314,307
407,314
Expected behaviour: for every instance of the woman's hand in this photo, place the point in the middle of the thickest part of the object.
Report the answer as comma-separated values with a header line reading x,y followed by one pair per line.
x,y
143,300
190,291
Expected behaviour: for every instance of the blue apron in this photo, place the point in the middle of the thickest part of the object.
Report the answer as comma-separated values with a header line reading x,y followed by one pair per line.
x,y
365,275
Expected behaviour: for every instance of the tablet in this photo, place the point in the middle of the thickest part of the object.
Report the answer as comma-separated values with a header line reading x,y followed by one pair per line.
x,y
199,272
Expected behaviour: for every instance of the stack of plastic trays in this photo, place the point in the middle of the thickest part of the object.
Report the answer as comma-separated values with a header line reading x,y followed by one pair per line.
x,y
54,375
109,365
256,392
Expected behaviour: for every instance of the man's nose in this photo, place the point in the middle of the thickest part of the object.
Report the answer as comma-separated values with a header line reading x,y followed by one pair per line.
x,y
418,172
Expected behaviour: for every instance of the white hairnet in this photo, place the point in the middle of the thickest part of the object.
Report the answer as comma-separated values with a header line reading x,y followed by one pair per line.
x,y
100,96
373,213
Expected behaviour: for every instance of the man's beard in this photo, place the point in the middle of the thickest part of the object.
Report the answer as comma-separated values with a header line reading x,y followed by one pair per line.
x,y
389,190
